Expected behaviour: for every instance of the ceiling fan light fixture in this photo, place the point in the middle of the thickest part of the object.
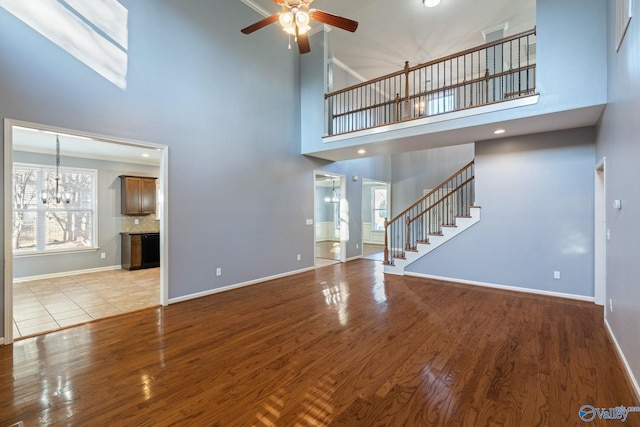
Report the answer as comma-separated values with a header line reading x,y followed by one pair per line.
x,y
302,21
431,3
287,21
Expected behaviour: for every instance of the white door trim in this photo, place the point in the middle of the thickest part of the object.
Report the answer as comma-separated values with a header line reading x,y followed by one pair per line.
x,y
8,211
600,234
344,213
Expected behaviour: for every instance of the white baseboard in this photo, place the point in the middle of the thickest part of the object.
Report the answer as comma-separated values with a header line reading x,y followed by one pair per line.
x,y
236,286
66,273
632,378
503,287
2,341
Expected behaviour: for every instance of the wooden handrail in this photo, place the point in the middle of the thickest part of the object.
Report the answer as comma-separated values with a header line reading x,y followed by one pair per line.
x,y
435,91
439,187
434,204
531,32
436,61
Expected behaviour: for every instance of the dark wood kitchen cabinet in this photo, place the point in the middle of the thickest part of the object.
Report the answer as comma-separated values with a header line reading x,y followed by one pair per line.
x,y
138,195
131,251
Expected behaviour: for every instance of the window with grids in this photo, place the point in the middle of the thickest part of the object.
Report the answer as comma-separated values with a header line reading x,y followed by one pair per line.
x,y
378,208
53,226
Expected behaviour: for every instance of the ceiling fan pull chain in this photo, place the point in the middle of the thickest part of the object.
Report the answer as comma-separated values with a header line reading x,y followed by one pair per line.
x,y
289,41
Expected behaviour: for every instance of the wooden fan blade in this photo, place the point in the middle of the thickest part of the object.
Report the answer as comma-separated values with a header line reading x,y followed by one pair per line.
x,y
334,20
262,23
303,43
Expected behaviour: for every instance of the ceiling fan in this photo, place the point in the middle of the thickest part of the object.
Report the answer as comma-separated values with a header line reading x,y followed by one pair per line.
x,y
295,19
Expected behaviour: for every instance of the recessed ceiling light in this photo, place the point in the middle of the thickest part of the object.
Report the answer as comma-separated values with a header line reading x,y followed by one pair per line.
x,y
362,151
145,155
431,3
499,131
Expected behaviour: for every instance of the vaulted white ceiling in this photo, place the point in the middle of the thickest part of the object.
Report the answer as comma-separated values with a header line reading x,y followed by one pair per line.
x,y
394,31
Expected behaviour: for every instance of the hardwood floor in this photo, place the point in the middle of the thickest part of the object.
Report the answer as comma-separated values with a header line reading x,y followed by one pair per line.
x,y
343,345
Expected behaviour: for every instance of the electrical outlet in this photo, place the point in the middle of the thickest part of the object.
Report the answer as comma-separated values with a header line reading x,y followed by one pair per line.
x,y
218,271
103,255
611,305
136,221
556,274
357,245
298,257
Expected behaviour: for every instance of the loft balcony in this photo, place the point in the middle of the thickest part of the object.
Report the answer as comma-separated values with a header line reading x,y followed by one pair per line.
x,y
491,73
458,99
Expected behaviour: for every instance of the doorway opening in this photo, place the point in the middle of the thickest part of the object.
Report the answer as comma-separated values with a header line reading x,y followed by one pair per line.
x,y
600,235
330,224
376,199
63,257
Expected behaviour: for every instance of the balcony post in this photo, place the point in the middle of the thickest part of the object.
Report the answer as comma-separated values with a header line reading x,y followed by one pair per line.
x,y
405,113
486,86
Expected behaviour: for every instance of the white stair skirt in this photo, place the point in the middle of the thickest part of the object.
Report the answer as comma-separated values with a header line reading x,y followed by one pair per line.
x,y
448,233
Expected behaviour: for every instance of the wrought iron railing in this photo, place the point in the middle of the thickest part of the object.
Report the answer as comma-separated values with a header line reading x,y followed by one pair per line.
x,y
493,72
439,207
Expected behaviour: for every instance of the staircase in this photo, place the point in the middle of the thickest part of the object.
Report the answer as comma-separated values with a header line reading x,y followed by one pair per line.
x,y
440,215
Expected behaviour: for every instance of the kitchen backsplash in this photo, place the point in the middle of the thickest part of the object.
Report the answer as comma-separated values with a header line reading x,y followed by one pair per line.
x,y
147,224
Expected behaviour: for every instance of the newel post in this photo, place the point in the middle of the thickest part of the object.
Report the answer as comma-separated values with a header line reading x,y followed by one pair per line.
x,y
407,245
386,242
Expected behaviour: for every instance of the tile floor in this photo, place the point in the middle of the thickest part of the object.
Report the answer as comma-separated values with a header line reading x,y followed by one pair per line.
x,y
44,305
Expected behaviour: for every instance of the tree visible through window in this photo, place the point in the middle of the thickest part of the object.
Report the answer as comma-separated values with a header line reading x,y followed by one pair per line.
x,y
51,226
379,201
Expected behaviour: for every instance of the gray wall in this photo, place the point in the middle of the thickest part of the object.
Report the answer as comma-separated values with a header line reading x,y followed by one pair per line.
x,y
342,78
536,194
618,141
227,106
416,171
571,47
109,218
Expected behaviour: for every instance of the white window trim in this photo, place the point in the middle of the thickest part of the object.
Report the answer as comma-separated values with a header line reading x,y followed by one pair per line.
x,y
373,207
94,247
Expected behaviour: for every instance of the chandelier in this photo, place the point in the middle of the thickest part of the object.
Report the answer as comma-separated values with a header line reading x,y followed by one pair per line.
x,y
335,194
58,195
